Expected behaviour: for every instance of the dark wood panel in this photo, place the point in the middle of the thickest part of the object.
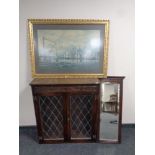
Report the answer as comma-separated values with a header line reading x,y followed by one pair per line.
x,y
38,119
49,141
120,112
62,81
63,89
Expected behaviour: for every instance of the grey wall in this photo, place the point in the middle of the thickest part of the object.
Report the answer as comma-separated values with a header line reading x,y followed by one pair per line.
x,y
121,46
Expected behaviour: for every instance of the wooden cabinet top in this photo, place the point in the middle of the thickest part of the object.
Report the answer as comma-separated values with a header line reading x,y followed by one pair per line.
x,y
68,81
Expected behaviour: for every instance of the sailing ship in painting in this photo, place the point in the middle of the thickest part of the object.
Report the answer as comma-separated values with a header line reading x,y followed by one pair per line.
x,y
69,50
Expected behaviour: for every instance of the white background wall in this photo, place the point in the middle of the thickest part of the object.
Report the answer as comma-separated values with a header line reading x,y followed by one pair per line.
x,y
121,46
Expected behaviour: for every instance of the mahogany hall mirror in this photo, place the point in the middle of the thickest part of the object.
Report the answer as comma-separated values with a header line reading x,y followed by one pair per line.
x,y
110,111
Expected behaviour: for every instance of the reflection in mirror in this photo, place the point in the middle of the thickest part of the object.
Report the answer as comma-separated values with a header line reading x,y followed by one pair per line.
x,y
109,111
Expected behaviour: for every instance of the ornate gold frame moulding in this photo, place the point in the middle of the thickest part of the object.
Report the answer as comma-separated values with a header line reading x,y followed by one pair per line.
x,y
66,22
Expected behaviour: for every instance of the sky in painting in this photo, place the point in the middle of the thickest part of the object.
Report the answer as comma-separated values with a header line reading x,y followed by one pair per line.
x,y
51,41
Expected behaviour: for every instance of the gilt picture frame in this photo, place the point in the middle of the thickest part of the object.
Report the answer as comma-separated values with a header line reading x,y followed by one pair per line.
x,y
68,48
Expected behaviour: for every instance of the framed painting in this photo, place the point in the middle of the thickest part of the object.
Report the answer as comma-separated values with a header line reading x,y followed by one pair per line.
x,y
68,48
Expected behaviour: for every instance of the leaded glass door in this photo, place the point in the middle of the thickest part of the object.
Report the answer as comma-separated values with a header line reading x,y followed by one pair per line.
x,y
82,119
52,116
66,113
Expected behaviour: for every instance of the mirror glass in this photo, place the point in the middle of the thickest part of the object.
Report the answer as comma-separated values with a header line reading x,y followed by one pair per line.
x,y
109,111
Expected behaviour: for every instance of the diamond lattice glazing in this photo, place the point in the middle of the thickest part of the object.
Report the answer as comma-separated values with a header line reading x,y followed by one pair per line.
x,y
51,108
81,115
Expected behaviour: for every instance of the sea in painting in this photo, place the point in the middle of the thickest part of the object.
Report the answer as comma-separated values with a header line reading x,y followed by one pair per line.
x,y
69,51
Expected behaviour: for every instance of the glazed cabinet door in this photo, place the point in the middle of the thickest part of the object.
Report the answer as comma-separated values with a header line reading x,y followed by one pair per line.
x,y
66,113
82,117
50,114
